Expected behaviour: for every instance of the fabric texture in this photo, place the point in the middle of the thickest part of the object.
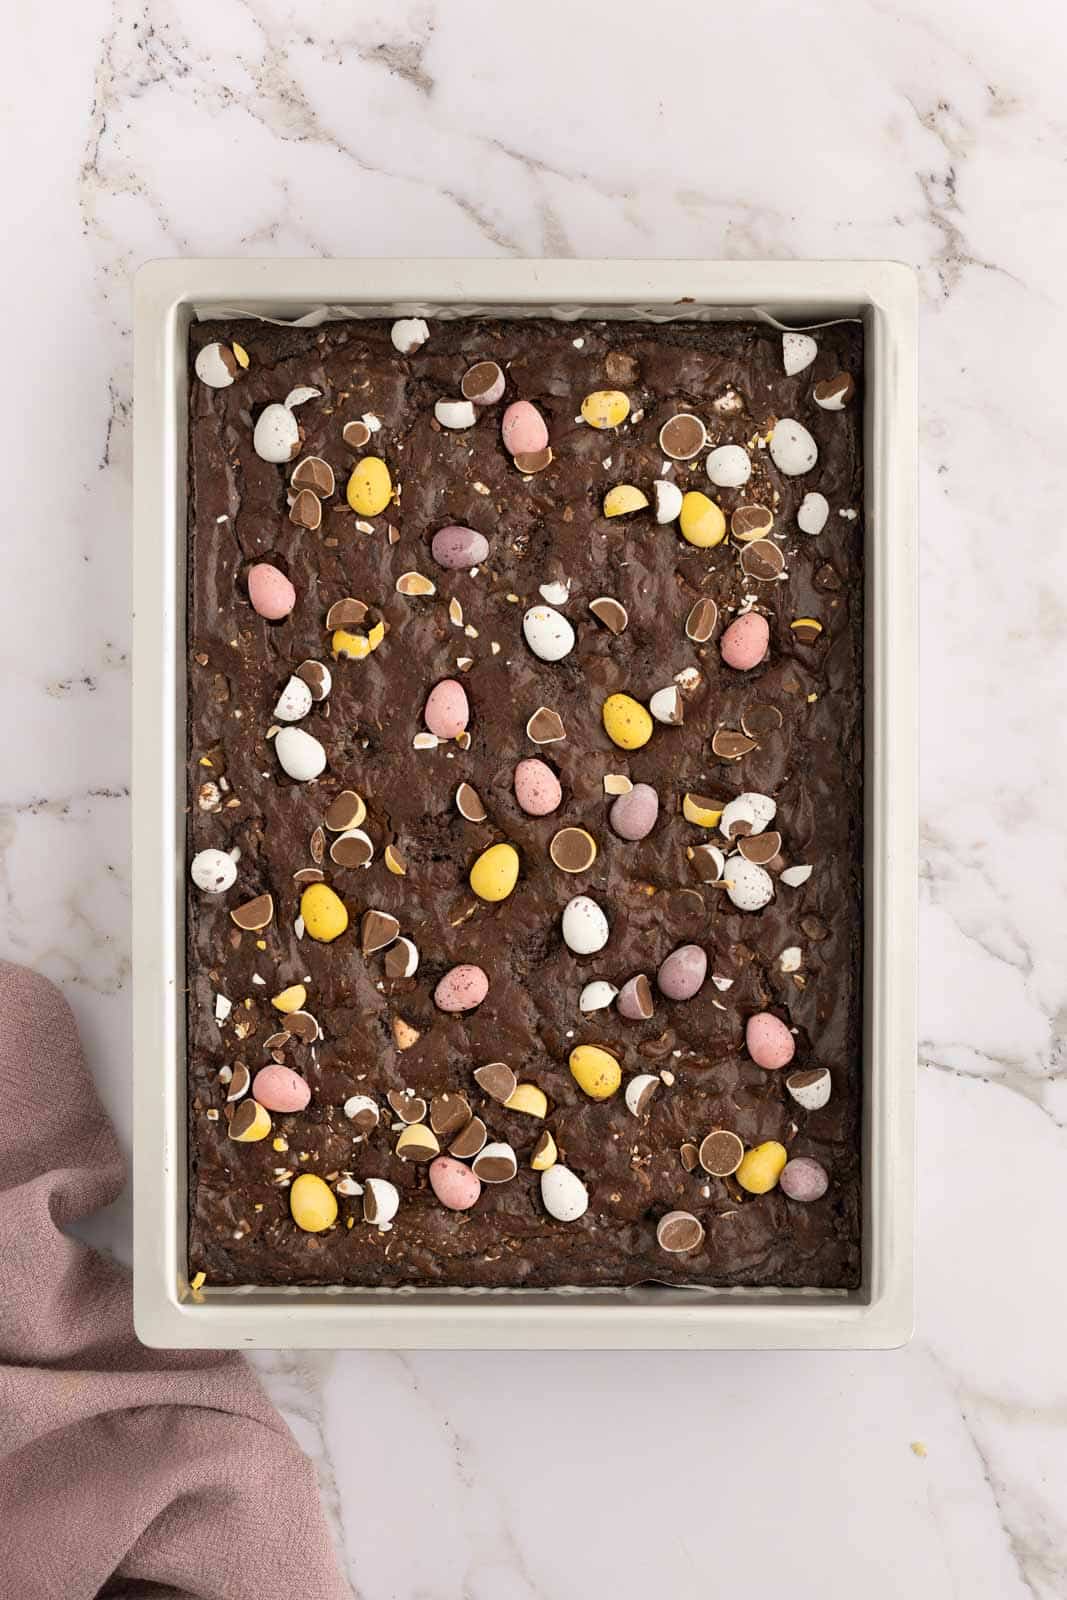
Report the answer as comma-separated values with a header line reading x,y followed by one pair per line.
x,y
145,1474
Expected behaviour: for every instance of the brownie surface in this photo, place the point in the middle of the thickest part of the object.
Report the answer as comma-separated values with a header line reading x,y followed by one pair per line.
x,y
541,529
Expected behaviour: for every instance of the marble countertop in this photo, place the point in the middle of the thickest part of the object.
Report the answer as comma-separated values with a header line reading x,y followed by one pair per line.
x,y
928,133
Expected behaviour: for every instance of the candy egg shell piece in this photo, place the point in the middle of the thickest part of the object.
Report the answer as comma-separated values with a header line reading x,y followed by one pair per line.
x,y
763,809
793,450
324,913
728,467
683,972
495,873
633,816
447,709
370,487
294,702
585,927
804,1179
761,1168
596,1072
626,721
271,593
216,366
745,642
455,1185
280,1089
597,996
667,500
798,351
750,887
381,1201
622,499
276,436
213,871
456,414
456,548
563,1194
301,755
312,1203
605,408
461,989
523,429
769,1042
812,513
630,998
537,789
701,520
810,1089
548,633
408,333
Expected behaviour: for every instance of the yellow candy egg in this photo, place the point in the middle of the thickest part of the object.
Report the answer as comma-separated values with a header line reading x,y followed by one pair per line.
x,y
701,521
352,646
595,1071
626,722
291,999
529,1098
606,408
323,911
623,499
496,872
761,1168
697,808
313,1203
370,487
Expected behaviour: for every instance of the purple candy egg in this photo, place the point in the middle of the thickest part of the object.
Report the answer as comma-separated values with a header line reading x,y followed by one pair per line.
x,y
804,1179
683,972
633,815
454,547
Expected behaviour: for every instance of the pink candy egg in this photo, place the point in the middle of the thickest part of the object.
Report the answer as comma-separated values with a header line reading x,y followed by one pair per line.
x,y
633,815
461,989
280,1089
447,710
454,1184
455,548
745,642
804,1179
271,593
537,789
769,1042
683,972
523,429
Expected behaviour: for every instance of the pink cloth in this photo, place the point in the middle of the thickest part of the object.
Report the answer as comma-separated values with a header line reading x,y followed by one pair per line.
x,y
129,1472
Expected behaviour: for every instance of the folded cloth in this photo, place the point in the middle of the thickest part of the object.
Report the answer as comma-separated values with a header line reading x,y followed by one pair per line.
x,y
123,1471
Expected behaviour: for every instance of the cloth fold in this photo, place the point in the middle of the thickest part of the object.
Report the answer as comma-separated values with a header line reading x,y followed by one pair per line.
x,y
124,1472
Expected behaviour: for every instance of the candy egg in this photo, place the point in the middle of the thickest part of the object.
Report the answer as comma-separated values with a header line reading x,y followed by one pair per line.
x,y
249,1123
447,709
810,1088
768,1041
496,872
639,1092
798,351
462,988
545,1154
563,1194
605,408
633,815
682,973
301,755
597,996
523,429
585,927
408,333
666,499
455,548
679,1232
370,487
596,1071
761,1168
701,520
216,365
456,414
455,1185
624,498
213,871
537,789
280,1089
793,450
276,436
483,383
750,887
548,633
812,513
804,1179
626,721
728,467
271,593
294,702
381,1201
745,642
324,913
313,1203
635,999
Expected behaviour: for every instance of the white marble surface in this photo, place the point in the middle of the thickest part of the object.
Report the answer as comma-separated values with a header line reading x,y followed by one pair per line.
x,y
934,133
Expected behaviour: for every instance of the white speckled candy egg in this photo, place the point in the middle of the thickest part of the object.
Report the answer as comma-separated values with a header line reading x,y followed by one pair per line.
x,y
729,467
548,633
563,1193
798,351
216,365
213,871
456,414
810,1088
793,450
301,755
597,996
276,436
683,972
750,888
633,815
294,701
585,927
813,512
408,333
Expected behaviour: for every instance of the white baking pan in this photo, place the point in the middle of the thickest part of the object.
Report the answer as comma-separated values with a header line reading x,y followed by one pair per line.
x,y
169,295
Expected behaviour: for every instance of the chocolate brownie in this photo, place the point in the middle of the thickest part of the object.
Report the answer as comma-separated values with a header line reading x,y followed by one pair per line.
x,y
424,966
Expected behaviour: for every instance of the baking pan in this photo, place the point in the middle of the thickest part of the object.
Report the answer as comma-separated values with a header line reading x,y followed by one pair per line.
x,y
168,296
